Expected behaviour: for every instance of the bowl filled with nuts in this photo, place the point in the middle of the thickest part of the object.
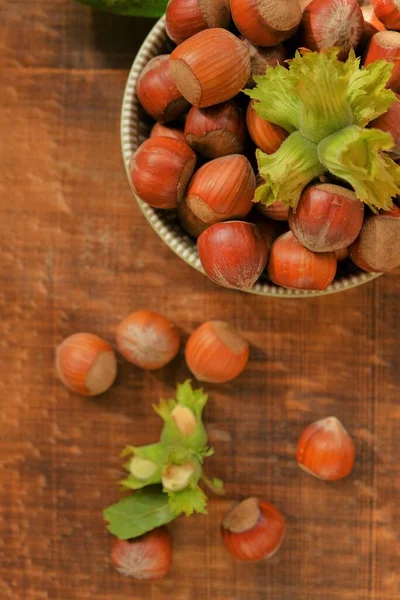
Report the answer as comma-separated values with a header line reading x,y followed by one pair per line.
x,y
262,145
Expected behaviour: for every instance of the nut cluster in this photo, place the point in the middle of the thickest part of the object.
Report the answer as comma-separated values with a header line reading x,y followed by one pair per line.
x,y
199,160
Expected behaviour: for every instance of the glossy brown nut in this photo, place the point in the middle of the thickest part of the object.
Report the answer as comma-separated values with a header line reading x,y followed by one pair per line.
x,y
185,18
388,11
216,353
266,135
146,557
233,254
328,218
189,222
210,67
371,26
222,189
276,211
338,24
291,265
390,122
266,22
86,364
160,130
157,92
385,45
253,530
216,131
326,450
263,59
147,339
377,248
160,170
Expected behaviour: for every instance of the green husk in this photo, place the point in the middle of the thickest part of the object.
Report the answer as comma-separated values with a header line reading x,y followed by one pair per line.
x,y
288,170
325,104
276,98
321,87
356,155
158,499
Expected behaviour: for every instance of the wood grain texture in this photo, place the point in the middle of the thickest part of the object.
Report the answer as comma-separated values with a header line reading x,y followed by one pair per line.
x,y
76,254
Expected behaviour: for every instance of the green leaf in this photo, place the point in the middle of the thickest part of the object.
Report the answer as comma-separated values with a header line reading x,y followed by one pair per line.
x,y
288,171
277,99
367,93
188,501
354,154
322,82
139,514
132,8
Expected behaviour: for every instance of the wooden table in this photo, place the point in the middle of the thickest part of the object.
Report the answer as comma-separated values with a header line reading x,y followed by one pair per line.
x,y
76,254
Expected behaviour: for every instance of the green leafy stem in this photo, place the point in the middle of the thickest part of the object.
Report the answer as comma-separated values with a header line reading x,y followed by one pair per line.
x,y
130,8
165,476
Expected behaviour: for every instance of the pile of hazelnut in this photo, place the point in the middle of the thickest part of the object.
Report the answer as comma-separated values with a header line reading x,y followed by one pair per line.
x,y
200,157
215,353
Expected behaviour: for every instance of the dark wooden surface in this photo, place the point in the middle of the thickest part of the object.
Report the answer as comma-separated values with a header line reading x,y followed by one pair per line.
x,y
76,254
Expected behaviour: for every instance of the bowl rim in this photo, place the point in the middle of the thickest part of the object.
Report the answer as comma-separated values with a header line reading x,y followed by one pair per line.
x,y
162,221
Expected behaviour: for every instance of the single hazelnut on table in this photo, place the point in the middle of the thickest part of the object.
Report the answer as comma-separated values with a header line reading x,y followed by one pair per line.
x,y
377,248
233,254
266,135
266,22
388,11
216,131
328,217
390,122
222,189
216,353
292,265
146,557
160,130
185,18
157,92
326,450
86,364
338,24
160,170
385,45
210,67
148,340
263,58
253,530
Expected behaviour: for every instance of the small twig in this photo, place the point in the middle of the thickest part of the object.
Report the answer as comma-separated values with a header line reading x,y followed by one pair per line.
x,y
209,484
